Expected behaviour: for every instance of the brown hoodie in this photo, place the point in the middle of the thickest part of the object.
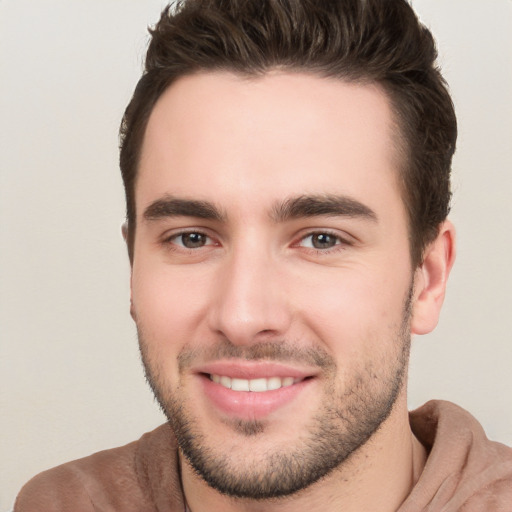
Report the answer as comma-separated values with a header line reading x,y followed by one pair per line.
x,y
465,472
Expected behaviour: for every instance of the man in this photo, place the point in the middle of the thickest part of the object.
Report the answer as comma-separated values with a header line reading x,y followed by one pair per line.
x,y
286,167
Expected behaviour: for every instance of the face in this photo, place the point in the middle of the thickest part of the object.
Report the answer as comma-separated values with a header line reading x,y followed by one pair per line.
x,y
271,282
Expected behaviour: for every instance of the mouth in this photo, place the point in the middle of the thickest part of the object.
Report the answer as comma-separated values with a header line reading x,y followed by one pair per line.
x,y
259,385
252,390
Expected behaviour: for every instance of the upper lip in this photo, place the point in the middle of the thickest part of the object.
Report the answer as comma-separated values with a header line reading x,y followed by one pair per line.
x,y
241,369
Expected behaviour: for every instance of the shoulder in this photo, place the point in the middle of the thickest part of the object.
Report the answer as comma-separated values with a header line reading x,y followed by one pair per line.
x,y
470,471
108,480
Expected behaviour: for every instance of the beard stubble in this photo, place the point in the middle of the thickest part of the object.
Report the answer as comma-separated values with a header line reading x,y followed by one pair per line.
x,y
344,422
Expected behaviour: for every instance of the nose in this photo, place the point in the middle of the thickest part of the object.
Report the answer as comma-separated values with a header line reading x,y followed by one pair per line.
x,y
251,303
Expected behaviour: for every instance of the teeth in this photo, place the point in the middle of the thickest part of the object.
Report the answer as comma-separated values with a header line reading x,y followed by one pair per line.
x,y
273,383
287,381
258,385
239,385
255,385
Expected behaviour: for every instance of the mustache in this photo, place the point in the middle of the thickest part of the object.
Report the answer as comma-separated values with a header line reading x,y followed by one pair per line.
x,y
260,351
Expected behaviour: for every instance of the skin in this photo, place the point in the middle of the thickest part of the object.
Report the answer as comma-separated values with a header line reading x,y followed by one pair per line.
x,y
253,278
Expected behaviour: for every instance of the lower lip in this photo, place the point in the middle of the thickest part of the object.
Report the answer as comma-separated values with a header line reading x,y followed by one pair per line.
x,y
249,405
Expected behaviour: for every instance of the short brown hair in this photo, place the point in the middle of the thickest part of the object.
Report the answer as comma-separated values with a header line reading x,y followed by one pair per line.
x,y
362,41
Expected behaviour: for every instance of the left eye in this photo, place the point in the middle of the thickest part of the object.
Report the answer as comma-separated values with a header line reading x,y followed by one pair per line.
x,y
192,240
320,241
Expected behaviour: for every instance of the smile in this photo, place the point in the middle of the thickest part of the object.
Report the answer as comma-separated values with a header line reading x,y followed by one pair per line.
x,y
255,385
253,390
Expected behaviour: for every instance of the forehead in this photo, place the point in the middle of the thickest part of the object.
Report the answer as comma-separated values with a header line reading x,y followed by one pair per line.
x,y
282,134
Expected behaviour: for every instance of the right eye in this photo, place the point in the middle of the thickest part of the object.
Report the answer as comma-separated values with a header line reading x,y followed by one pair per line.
x,y
320,241
190,240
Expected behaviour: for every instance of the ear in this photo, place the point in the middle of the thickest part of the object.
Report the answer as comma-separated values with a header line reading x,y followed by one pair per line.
x,y
430,280
132,308
124,231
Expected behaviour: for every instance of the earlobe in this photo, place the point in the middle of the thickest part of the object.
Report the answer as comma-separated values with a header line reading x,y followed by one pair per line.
x,y
124,230
132,311
431,279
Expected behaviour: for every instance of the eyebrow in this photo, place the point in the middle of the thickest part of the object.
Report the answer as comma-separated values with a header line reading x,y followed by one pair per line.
x,y
169,206
321,205
292,208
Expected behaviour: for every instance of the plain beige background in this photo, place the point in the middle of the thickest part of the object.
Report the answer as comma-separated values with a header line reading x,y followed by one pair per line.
x,y
70,377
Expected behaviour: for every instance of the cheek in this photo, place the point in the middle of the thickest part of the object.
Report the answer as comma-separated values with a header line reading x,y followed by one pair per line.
x,y
354,312
168,305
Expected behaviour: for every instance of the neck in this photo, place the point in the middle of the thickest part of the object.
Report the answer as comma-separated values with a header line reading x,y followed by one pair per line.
x,y
379,476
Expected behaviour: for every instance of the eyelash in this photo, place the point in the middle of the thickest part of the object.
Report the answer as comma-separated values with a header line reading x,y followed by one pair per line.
x,y
340,243
170,241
